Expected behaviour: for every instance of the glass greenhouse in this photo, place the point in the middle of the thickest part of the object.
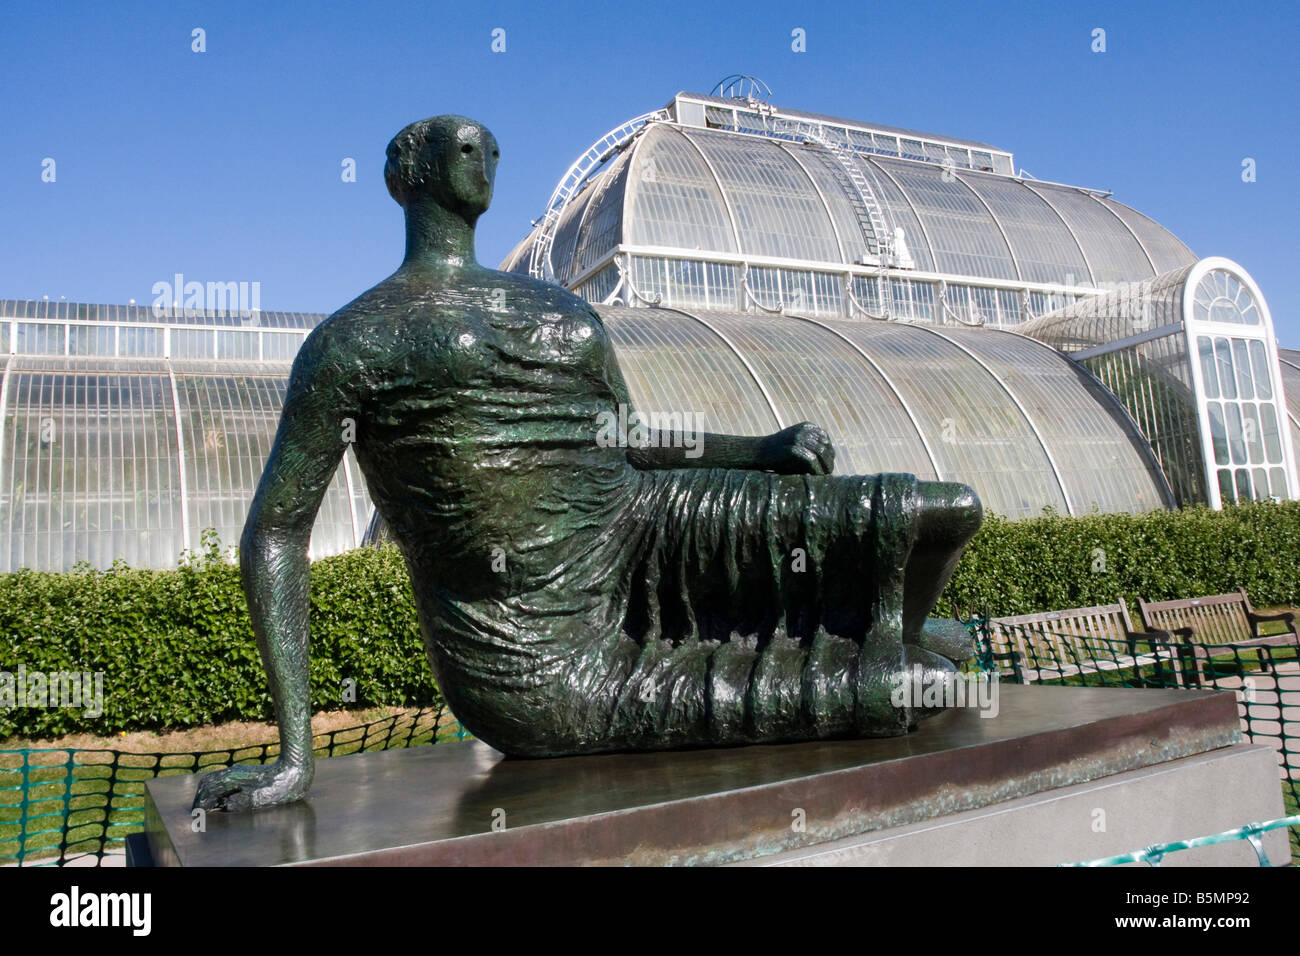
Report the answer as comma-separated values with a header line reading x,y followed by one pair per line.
x,y
732,205
1191,354
123,436
936,312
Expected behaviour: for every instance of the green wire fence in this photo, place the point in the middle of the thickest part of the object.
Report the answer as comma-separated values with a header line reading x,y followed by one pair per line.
x,y
1154,855
1265,678
62,806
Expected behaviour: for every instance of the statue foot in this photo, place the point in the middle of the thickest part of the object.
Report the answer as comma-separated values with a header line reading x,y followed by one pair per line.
x,y
927,674
947,638
248,786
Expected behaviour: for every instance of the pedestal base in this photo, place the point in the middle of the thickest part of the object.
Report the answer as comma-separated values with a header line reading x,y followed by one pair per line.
x,y
464,803
1195,796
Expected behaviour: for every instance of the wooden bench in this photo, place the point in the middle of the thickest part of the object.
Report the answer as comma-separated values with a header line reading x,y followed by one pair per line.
x,y
1081,640
1226,621
1217,619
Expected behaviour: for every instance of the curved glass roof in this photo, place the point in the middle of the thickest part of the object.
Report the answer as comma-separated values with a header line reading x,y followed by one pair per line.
x,y
715,192
1132,309
1014,419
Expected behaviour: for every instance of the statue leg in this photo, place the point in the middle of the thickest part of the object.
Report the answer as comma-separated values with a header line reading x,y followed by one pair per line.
x,y
949,515
767,608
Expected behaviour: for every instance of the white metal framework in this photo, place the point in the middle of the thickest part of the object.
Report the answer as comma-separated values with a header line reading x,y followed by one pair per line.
x,y
1245,442
539,263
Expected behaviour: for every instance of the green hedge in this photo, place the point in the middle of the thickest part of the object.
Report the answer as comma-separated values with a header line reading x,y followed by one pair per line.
x,y
1019,567
177,649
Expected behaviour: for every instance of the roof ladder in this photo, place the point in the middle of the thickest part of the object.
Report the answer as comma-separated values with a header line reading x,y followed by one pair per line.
x,y
862,197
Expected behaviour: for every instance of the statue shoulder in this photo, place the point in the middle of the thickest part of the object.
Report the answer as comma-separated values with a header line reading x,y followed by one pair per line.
x,y
336,353
547,293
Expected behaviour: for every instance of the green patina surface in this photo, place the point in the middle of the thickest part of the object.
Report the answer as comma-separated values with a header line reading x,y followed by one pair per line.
x,y
579,595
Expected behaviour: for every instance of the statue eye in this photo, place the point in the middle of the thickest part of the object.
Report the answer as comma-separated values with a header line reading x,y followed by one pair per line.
x,y
467,148
495,154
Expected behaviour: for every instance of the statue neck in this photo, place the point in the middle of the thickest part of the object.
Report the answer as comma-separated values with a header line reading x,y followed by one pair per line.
x,y
436,236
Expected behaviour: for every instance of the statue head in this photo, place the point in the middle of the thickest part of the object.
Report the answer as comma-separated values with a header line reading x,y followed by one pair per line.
x,y
449,159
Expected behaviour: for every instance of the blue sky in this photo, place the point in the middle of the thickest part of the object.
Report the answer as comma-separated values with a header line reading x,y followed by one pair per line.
x,y
225,165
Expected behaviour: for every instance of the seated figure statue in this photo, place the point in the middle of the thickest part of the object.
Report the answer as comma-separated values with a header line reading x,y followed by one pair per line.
x,y
576,596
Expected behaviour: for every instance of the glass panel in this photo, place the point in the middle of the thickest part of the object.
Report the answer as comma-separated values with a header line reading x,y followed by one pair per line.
x,y
1220,297
1260,479
1259,360
143,342
191,343
564,242
962,234
900,212
1165,250
39,339
912,300
602,221
777,209
1209,375
90,471
1277,483
722,286
765,286
1112,251
1223,352
237,345
90,340
1104,461
1272,437
1226,492
975,431
1009,312
675,199
705,285
674,363
1236,440
1241,359
1218,432
280,346
814,375
1254,438
1040,240
1243,484
852,218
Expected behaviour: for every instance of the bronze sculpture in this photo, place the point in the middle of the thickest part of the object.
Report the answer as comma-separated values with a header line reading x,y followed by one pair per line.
x,y
576,597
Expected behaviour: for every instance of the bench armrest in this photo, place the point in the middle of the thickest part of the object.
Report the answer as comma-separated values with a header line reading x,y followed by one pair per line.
x,y
1172,636
1288,617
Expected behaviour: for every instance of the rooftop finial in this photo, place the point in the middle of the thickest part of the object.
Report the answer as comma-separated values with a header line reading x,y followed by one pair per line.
x,y
742,86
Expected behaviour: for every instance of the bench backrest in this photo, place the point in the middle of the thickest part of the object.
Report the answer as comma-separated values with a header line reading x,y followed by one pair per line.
x,y
1214,619
1065,637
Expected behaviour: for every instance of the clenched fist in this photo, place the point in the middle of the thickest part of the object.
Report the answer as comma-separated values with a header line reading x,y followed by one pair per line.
x,y
803,449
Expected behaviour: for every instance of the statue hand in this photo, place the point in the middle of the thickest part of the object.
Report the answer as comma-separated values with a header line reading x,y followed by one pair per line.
x,y
249,786
802,449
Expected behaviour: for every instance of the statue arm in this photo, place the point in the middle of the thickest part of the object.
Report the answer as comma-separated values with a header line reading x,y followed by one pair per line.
x,y
799,449
273,560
